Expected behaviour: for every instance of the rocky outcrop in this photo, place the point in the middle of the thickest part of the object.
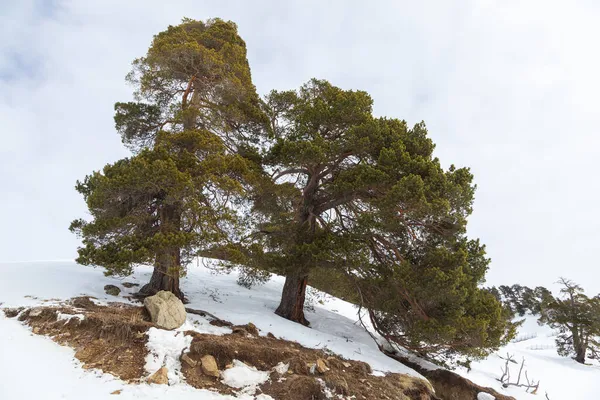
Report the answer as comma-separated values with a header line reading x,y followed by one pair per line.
x,y
166,310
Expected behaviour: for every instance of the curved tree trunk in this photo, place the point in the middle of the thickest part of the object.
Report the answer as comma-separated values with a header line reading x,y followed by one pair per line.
x,y
294,290
165,276
292,298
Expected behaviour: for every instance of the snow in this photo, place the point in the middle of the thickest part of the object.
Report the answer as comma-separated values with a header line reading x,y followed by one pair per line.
x,y
164,350
242,376
334,327
485,396
67,317
560,377
281,368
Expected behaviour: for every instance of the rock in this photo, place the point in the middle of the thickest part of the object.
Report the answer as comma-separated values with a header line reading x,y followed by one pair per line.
x,y
188,360
112,290
116,392
252,329
346,364
238,330
160,377
36,329
129,284
166,310
209,366
322,366
270,335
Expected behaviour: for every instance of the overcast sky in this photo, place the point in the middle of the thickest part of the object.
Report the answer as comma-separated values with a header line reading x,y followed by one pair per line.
x,y
509,88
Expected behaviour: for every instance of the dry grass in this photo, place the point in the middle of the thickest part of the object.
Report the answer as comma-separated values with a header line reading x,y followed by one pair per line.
x,y
110,338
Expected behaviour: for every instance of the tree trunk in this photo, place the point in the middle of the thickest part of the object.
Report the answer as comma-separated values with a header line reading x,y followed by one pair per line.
x,y
580,354
165,276
292,298
167,265
578,345
294,290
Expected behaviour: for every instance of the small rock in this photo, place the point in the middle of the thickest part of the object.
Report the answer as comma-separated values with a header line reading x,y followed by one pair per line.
x,y
270,335
346,364
160,377
166,310
129,284
188,360
36,329
252,329
238,330
209,366
322,366
112,290
116,392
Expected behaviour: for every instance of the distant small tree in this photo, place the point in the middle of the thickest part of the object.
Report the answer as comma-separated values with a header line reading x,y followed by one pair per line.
x,y
522,299
577,317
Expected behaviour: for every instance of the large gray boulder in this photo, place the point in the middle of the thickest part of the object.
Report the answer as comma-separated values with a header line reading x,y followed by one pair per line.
x,y
166,310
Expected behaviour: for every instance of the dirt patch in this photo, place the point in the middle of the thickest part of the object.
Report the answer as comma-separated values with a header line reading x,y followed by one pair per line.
x,y
113,339
302,380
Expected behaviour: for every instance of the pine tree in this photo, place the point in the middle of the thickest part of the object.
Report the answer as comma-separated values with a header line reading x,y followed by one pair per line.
x,y
363,198
195,107
577,318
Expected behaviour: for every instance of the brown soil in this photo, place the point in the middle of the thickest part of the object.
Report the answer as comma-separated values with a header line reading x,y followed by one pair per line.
x,y
110,338
113,339
343,377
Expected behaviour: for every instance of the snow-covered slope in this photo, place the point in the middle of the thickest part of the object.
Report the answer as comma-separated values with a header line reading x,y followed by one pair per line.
x,y
24,355
27,358
560,377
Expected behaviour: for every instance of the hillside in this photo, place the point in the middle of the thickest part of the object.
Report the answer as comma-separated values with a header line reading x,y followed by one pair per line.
x,y
334,328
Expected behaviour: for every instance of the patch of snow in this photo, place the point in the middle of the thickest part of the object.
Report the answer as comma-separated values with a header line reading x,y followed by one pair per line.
x,y
485,396
164,349
281,368
264,397
101,303
202,325
67,317
242,376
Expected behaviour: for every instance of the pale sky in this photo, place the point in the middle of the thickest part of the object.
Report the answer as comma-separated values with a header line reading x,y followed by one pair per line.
x,y
509,88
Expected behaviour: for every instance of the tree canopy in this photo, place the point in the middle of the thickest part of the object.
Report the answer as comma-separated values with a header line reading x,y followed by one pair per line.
x,y
195,106
304,183
577,318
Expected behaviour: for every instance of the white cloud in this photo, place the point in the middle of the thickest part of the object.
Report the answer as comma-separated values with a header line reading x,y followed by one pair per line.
x,y
508,88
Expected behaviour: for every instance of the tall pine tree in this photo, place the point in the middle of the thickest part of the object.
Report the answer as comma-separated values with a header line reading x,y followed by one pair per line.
x,y
195,109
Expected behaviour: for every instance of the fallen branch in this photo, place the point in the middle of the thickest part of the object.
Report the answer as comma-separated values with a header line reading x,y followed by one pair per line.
x,y
203,313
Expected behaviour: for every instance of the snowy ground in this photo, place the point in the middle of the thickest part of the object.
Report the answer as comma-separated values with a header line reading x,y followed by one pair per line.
x,y
560,377
26,358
